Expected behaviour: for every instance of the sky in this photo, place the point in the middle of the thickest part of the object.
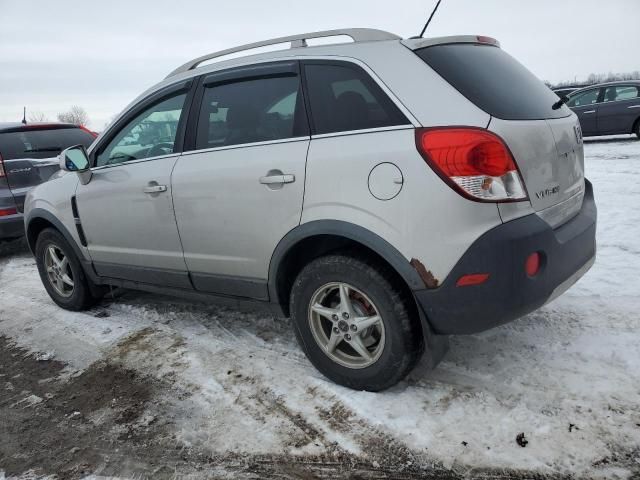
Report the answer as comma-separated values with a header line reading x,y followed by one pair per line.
x,y
101,55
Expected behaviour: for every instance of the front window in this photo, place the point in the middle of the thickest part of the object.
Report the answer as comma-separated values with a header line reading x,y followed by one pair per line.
x,y
586,98
151,133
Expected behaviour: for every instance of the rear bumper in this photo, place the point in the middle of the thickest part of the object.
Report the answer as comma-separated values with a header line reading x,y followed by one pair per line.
x,y
509,293
11,226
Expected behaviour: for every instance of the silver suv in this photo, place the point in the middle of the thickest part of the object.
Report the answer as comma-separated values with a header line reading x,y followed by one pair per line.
x,y
382,193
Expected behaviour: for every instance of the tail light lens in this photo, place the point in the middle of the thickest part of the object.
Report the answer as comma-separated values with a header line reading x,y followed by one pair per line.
x,y
474,162
8,211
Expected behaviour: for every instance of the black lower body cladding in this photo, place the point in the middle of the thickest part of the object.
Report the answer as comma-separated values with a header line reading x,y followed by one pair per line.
x,y
509,293
11,226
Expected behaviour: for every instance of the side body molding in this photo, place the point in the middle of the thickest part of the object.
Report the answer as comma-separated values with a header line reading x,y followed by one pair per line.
x,y
348,231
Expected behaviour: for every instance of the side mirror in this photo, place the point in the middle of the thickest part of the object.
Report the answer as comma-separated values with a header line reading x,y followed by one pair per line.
x,y
74,159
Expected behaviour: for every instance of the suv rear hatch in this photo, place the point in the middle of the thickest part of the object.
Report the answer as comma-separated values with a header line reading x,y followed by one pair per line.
x,y
546,142
28,154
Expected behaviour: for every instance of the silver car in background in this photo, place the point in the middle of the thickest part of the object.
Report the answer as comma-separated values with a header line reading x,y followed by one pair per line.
x,y
382,193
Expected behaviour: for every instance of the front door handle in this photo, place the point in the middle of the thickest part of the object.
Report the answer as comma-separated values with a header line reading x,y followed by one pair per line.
x,y
634,106
155,189
589,111
277,179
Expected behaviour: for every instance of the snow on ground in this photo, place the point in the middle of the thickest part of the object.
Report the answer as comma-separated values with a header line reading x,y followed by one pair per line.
x,y
567,376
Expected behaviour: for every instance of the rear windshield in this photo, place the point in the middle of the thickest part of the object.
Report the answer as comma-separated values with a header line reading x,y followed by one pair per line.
x,y
41,143
493,80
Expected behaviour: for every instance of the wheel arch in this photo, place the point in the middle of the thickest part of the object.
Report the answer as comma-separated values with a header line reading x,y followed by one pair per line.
x,y
314,239
635,127
39,219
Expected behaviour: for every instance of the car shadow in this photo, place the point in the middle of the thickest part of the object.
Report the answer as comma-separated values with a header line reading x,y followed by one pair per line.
x,y
9,248
611,140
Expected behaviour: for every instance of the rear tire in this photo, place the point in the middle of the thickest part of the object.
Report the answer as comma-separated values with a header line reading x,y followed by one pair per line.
x,y
61,272
374,357
637,129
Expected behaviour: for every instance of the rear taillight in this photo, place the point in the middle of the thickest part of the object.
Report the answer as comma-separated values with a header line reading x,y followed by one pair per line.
x,y
8,211
474,162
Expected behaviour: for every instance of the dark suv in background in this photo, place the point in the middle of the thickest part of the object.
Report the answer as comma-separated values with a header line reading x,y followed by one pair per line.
x,y
608,109
27,158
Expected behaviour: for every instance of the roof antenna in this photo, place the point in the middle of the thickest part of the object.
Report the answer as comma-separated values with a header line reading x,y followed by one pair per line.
x,y
24,115
429,21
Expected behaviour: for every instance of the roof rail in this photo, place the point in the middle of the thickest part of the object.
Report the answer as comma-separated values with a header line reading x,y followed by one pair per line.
x,y
300,40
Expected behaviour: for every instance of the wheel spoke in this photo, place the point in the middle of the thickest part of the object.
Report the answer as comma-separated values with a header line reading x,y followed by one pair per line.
x,y
60,284
359,347
323,311
63,264
66,279
54,256
365,322
333,342
345,300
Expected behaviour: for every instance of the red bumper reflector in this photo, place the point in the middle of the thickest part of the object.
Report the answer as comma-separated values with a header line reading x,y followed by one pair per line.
x,y
472,279
7,211
532,264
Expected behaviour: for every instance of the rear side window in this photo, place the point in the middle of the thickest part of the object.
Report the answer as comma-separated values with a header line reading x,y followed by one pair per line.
x,y
493,80
37,143
343,98
620,92
248,111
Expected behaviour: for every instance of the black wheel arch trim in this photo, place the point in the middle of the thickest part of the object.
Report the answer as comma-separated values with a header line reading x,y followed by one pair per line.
x,y
43,214
349,231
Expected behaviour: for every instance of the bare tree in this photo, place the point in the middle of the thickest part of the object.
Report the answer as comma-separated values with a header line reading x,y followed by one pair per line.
x,y
38,117
76,115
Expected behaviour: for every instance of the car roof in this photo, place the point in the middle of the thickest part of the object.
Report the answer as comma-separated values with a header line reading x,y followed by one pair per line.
x,y
19,126
363,39
608,84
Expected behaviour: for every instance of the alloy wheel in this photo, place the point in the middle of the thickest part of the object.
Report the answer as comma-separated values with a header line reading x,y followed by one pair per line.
x,y
346,325
58,270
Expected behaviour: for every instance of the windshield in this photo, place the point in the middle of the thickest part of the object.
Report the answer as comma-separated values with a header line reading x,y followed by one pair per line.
x,y
493,80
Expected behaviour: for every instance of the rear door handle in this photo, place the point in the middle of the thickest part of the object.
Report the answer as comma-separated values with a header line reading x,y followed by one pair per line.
x,y
634,106
589,111
155,189
273,179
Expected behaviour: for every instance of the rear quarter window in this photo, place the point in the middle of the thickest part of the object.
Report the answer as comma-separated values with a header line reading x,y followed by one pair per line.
x,y
493,80
344,98
41,143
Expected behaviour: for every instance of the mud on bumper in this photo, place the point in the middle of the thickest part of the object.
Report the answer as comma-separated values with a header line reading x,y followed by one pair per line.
x,y
509,293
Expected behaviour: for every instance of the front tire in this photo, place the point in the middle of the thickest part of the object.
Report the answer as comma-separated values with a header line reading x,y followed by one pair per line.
x,y
637,129
354,322
61,272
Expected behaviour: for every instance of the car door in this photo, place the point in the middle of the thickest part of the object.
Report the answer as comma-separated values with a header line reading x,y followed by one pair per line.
x,y
126,209
240,189
585,105
619,109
